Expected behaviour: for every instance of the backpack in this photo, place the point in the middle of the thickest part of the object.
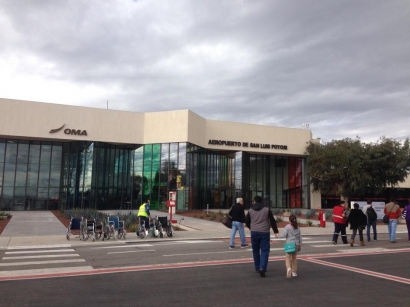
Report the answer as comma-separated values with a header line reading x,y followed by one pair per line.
x,y
371,214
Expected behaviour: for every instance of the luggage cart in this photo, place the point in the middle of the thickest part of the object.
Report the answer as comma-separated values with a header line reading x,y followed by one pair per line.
x,y
116,228
76,227
142,229
89,230
109,228
166,225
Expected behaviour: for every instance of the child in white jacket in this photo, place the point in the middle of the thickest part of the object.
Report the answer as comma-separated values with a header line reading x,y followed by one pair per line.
x,y
292,234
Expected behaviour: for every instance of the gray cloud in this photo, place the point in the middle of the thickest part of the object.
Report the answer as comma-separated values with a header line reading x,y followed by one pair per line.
x,y
341,66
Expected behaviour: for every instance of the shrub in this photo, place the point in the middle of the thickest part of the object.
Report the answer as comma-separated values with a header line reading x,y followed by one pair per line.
x,y
276,211
212,217
310,213
309,222
296,212
278,219
328,214
133,227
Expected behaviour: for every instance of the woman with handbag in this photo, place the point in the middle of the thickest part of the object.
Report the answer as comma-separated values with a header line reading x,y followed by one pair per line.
x,y
292,245
393,211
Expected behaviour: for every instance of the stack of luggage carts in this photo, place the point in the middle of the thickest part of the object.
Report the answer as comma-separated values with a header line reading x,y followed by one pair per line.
x,y
155,228
114,228
84,229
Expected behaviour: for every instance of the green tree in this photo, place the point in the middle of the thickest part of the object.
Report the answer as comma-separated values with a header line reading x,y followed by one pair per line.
x,y
351,168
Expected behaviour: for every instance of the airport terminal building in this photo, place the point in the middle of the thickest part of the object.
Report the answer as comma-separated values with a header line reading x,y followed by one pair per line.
x,y
56,156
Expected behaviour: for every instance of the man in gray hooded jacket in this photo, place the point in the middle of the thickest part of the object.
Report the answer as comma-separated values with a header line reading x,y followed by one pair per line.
x,y
259,220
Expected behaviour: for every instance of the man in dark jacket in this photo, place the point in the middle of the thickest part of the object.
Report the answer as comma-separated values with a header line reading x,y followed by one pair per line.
x,y
259,220
357,220
237,214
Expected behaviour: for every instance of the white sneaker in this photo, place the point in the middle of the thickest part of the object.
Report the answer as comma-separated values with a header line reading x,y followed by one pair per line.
x,y
288,273
294,274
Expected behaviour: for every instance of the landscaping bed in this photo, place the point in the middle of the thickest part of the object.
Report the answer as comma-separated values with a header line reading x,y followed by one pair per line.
x,y
5,218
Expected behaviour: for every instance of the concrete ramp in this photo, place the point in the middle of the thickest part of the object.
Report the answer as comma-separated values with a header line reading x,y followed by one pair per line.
x,y
33,223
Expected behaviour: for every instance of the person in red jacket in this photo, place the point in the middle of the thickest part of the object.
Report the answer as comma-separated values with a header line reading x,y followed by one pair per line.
x,y
339,219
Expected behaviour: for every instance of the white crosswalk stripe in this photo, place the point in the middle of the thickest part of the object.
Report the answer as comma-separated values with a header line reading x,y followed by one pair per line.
x,y
41,262
40,256
33,260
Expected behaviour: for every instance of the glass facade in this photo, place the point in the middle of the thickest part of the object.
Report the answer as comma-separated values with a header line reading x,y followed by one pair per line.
x,y
30,173
40,175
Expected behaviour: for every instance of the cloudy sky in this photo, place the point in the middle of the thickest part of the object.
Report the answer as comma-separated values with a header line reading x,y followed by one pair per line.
x,y
343,67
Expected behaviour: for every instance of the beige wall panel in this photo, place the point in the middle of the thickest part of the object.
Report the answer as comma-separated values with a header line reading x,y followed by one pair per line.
x,y
315,200
35,120
197,130
295,139
166,127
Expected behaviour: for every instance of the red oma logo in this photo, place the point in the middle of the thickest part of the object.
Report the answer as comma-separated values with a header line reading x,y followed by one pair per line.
x,y
69,131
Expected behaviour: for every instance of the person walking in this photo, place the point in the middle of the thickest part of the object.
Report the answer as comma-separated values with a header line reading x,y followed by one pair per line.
x,y
357,220
339,219
393,211
259,219
371,215
144,214
292,234
406,216
237,214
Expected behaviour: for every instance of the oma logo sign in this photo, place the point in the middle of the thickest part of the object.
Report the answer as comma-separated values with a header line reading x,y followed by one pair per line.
x,y
69,131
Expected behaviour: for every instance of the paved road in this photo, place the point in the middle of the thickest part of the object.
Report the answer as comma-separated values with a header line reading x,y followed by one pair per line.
x,y
196,268
351,279
66,259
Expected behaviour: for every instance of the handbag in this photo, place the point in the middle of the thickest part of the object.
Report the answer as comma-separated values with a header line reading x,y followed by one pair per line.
x,y
227,221
386,216
386,219
290,247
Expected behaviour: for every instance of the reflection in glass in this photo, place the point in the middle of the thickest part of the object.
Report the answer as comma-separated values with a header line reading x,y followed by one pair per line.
x,y
22,157
32,175
55,175
56,154
34,155
182,156
45,154
44,175
21,175
2,150
1,174
11,152
9,174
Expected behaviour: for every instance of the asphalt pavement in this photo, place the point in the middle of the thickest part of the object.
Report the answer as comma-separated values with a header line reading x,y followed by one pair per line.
x,y
38,228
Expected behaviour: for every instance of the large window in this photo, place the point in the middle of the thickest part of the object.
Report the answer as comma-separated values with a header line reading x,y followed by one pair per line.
x,y
29,174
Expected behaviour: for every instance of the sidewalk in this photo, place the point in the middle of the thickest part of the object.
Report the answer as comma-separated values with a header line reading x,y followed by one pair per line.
x,y
42,228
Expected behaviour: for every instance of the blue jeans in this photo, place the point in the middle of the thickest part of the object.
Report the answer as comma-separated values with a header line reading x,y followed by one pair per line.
x,y
373,225
260,248
237,226
392,226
